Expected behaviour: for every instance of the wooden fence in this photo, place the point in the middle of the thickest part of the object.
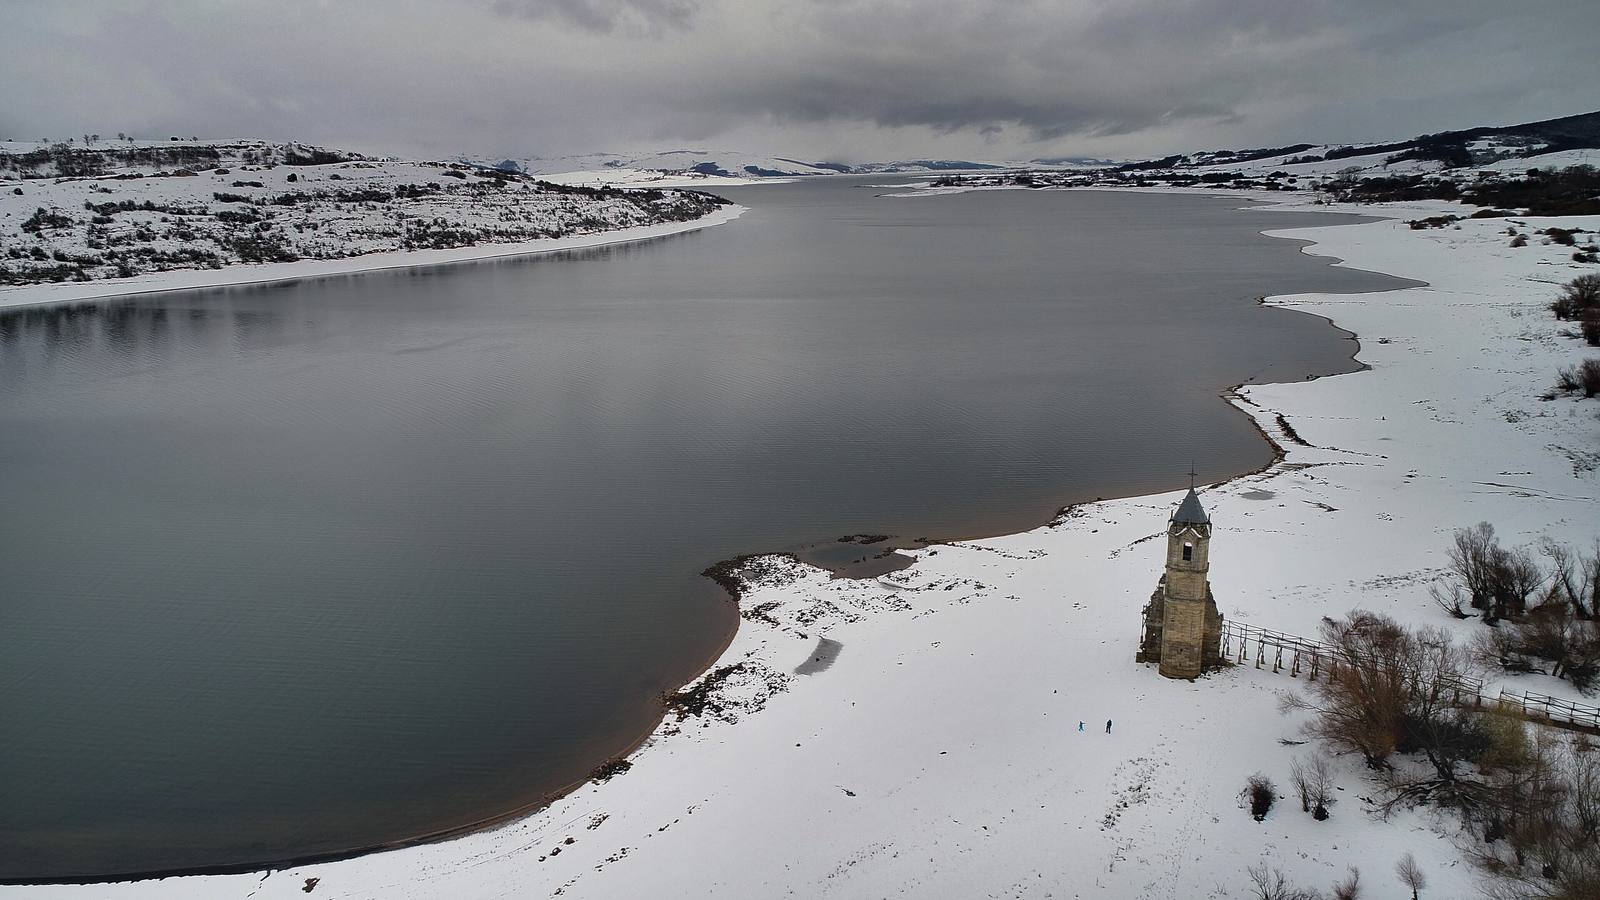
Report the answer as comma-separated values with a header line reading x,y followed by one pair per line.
x,y
1245,644
1552,710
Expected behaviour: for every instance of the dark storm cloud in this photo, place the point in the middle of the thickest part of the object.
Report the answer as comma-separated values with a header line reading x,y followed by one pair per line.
x,y
809,77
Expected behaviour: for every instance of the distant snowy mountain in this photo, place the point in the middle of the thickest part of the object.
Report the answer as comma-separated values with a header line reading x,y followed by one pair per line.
x,y
710,164
1074,162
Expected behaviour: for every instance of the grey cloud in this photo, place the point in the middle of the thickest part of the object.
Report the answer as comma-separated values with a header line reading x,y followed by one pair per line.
x,y
606,15
820,78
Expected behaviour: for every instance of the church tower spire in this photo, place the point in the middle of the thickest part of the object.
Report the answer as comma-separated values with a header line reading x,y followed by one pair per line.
x,y
1183,629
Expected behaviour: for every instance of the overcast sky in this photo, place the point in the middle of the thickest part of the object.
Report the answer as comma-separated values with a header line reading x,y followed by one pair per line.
x,y
816,79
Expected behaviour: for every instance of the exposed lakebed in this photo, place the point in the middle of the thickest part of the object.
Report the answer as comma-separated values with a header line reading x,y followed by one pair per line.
x,y
303,568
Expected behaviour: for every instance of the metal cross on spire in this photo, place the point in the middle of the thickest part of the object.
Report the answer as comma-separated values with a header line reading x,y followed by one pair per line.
x,y
1192,473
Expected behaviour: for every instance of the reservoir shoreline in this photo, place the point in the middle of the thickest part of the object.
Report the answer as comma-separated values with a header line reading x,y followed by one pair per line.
x,y
1228,395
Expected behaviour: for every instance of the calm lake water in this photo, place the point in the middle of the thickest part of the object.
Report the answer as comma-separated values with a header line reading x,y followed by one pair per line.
x,y
302,568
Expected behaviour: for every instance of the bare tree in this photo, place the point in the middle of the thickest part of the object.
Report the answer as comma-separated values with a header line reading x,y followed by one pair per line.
x,y
1410,875
1498,581
1469,560
1575,578
1361,704
1550,639
1516,578
1435,724
1390,690
1542,839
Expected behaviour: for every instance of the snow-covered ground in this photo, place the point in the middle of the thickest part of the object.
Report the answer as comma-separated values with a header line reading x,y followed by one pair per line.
x,y
918,735
199,214
257,273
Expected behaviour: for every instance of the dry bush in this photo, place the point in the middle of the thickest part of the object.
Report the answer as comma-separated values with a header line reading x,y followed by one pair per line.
x,y
1313,781
1350,887
1542,838
1589,369
1584,377
1261,792
1577,296
1269,883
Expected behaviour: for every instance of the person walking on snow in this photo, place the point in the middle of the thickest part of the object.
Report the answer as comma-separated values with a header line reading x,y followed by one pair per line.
x,y
1080,726
1108,726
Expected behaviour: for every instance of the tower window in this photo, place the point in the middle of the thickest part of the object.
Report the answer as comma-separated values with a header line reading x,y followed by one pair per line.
x,y
1188,552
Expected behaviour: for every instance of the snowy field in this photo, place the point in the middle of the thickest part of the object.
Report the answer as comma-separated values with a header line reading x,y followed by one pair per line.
x,y
931,746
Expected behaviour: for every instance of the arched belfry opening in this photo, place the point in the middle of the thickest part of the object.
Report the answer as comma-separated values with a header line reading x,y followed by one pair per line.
x,y
1182,628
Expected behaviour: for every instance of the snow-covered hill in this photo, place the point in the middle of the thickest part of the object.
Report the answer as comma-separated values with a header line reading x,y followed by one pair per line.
x,y
1549,168
713,165
76,212
1566,141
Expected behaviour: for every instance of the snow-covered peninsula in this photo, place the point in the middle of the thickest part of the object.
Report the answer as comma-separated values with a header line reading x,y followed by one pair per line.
x,y
919,735
104,219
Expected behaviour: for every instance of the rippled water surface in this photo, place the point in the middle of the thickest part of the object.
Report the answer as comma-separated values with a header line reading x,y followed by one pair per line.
x,y
294,569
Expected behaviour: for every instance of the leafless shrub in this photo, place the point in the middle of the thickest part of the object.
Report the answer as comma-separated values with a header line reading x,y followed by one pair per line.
x,y
1589,327
1313,781
1577,296
1261,792
1450,599
1410,875
1269,883
1350,887
1589,369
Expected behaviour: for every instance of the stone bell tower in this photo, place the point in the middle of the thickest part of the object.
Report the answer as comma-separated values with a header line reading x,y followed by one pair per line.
x,y
1182,628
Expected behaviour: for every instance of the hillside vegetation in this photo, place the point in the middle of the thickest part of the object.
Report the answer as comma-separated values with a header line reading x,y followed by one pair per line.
x,y
85,212
1539,168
